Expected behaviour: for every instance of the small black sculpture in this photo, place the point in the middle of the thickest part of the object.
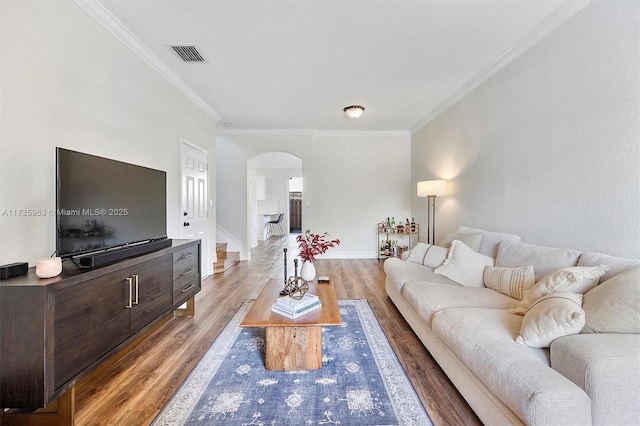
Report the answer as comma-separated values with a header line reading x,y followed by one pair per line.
x,y
295,287
284,291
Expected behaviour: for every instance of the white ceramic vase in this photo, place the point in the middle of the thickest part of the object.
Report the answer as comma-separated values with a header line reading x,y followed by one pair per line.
x,y
49,267
308,271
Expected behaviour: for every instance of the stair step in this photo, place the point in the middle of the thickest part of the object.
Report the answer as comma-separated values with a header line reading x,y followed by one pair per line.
x,y
225,261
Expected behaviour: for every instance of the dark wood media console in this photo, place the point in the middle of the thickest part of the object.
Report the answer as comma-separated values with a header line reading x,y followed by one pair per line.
x,y
54,332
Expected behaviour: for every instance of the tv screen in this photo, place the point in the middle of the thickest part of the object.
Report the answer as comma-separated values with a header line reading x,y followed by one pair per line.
x,y
103,203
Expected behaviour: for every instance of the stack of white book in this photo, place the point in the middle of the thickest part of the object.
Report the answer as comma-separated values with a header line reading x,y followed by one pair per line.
x,y
294,308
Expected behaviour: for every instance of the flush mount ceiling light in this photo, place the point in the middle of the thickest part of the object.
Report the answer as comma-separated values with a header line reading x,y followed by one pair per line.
x,y
354,111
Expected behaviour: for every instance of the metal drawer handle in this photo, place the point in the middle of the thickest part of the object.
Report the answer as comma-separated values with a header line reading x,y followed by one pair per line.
x,y
184,256
184,290
137,302
186,273
130,305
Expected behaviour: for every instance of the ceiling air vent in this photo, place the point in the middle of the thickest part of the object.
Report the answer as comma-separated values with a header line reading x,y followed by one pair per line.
x,y
188,53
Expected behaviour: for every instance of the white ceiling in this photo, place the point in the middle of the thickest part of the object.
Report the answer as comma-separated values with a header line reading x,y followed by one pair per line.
x,y
294,64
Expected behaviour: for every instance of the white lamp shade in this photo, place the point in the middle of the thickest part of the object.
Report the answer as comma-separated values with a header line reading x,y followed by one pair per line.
x,y
428,188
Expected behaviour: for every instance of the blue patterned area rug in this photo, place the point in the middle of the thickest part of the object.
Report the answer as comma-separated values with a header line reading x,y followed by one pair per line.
x,y
361,381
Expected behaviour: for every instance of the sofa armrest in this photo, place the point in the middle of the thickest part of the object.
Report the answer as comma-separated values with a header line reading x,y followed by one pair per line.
x,y
607,367
405,254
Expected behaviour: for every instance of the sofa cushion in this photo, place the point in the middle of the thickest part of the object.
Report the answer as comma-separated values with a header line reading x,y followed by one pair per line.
x,y
471,239
544,259
606,367
577,279
399,272
550,317
616,264
464,266
428,255
614,305
484,340
427,298
511,282
490,240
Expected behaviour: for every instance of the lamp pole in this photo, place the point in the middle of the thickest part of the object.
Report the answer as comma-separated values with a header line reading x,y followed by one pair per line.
x,y
431,219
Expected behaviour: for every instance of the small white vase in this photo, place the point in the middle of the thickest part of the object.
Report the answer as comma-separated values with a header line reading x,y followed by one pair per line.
x,y
308,271
49,267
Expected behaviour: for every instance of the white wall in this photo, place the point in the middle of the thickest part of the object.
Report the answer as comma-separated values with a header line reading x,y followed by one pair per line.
x,y
549,147
359,181
66,81
351,182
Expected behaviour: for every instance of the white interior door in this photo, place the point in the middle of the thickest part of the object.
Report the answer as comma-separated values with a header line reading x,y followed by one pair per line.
x,y
194,217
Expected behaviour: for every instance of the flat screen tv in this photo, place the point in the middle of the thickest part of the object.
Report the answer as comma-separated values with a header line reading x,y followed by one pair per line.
x,y
104,204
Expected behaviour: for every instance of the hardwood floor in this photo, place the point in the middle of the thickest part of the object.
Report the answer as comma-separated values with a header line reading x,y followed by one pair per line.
x,y
133,390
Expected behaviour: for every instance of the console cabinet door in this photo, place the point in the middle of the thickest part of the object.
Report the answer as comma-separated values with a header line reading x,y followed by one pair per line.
x,y
154,278
90,319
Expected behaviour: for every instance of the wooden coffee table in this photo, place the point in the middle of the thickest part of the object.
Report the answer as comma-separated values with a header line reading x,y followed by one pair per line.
x,y
293,344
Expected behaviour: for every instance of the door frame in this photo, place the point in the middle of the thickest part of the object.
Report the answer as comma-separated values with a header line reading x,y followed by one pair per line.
x,y
207,259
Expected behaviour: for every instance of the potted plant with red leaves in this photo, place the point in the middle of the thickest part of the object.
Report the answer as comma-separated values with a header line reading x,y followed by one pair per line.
x,y
310,246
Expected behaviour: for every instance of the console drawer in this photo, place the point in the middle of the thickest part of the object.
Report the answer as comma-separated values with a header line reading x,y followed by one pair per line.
x,y
186,274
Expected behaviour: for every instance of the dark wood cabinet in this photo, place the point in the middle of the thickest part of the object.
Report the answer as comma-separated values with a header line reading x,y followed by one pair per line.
x,y
53,332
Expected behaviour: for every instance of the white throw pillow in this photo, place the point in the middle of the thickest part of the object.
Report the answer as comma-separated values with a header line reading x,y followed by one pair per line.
x,y
471,239
552,316
427,255
511,282
614,305
576,279
464,266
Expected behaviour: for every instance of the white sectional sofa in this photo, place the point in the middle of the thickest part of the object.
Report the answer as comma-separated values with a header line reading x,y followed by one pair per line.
x,y
590,374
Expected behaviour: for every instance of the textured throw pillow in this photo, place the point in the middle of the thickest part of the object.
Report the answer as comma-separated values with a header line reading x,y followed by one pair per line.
x,y
471,239
427,255
614,306
552,316
511,282
576,279
464,265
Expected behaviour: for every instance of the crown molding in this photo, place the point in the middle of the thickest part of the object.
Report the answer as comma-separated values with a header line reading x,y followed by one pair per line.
x,y
309,132
97,11
562,13
369,133
264,132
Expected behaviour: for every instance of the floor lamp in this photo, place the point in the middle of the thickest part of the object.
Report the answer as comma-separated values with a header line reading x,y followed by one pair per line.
x,y
431,189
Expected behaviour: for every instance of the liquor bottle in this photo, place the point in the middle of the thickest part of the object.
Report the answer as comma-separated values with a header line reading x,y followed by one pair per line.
x,y
393,222
413,225
388,222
